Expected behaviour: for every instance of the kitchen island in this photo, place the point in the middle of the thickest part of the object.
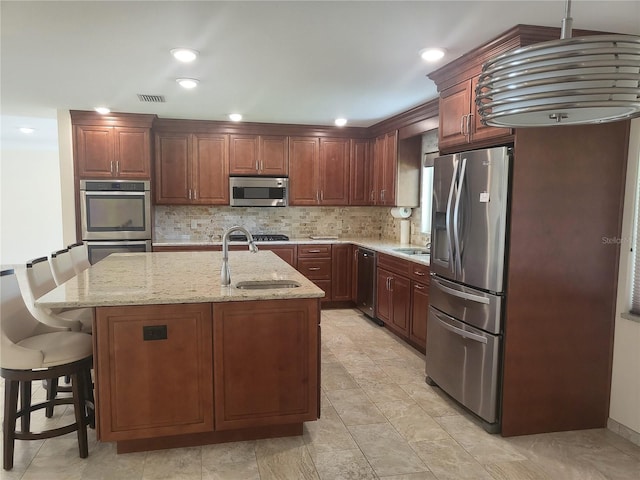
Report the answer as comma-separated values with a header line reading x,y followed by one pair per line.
x,y
180,359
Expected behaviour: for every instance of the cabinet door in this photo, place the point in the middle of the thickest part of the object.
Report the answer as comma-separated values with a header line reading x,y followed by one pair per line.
x,y
243,154
383,295
389,165
401,305
210,170
157,362
360,173
480,131
132,152
172,168
341,269
454,107
303,171
285,252
94,151
265,363
334,171
379,151
419,311
274,155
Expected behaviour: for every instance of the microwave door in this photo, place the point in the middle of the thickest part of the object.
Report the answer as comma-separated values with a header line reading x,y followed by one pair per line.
x,y
444,193
480,217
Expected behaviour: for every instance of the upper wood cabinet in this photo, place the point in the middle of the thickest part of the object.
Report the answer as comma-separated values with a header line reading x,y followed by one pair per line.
x,y
103,151
361,188
385,160
459,119
318,171
258,155
192,169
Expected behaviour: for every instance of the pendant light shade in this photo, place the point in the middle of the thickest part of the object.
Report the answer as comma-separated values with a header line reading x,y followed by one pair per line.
x,y
581,80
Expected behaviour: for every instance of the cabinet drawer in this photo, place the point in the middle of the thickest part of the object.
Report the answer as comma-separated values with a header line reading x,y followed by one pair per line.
x,y
317,251
420,272
315,269
394,264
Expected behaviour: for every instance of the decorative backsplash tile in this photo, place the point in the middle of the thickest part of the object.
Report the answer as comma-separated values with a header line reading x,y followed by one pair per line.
x,y
208,223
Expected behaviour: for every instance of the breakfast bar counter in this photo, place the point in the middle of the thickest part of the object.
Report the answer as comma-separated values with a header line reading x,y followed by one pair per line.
x,y
181,360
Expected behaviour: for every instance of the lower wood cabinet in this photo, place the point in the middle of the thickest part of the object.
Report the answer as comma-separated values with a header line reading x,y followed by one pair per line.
x,y
419,313
314,262
394,301
165,371
265,363
154,368
341,272
402,301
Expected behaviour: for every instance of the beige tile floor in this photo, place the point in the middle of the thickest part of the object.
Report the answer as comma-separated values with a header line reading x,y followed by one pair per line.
x,y
379,420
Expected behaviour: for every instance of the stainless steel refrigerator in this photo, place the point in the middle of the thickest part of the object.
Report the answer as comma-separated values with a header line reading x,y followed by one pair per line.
x,y
466,297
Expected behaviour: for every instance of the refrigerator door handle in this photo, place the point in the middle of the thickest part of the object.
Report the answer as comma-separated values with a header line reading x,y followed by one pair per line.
x,y
460,332
456,219
456,293
448,218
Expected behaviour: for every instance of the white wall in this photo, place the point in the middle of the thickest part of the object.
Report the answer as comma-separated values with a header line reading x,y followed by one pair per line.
x,y
30,202
625,383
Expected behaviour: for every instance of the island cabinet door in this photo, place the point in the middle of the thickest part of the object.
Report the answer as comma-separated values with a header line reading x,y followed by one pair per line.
x,y
265,363
153,369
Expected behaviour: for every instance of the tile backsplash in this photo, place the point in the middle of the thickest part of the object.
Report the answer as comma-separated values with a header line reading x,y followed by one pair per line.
x,y
208,223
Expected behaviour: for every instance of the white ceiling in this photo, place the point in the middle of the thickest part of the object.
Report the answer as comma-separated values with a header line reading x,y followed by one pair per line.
x,y
304,62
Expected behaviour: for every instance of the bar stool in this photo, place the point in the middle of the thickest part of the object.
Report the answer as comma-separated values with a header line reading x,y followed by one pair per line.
x,y
62,266
79,256
40,281
32,351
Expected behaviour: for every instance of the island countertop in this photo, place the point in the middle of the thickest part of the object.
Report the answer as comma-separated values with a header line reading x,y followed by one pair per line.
x,y
176,277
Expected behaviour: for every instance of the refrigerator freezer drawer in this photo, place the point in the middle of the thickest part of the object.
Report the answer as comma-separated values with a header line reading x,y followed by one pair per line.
x,y
479,309
463,361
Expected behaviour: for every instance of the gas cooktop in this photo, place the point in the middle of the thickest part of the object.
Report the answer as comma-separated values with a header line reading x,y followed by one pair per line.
x,y
260,237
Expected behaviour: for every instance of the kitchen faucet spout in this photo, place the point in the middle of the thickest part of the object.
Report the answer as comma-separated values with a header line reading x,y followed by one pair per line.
x,y
225,272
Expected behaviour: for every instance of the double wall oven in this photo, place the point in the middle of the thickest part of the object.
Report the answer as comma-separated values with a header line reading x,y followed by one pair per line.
x,y
115,217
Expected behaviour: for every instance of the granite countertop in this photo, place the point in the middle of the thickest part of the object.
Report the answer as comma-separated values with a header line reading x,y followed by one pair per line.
x,y
382,246
176,277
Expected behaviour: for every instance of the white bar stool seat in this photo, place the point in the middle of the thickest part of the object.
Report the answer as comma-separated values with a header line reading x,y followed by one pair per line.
x,y
31,351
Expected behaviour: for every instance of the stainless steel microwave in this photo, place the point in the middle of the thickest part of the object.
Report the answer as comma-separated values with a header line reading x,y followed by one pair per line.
x,y
259,191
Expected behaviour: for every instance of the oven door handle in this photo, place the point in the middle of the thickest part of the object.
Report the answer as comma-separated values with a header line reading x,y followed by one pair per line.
x,y
456,293
460,332
118,193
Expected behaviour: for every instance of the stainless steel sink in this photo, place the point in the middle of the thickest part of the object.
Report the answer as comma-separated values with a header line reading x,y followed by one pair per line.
x,y
412,251
266,284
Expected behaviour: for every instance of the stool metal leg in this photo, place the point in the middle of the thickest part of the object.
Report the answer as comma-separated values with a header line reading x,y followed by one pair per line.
x,y
79,407
25,403
9,422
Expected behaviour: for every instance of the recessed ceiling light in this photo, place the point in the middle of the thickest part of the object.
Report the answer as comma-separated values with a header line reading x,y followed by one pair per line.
x,y
432,54
187,83
185,55
341,122
27,129
235,117
102,110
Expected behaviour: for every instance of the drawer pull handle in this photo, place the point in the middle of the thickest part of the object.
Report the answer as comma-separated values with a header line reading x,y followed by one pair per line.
x,y
314,251
420,274
313,269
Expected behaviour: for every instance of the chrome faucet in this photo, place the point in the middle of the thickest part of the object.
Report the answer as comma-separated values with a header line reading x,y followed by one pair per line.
x,y
225,272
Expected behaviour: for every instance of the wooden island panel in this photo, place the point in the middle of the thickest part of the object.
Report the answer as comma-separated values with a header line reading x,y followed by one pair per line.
x,y
154,369
266,363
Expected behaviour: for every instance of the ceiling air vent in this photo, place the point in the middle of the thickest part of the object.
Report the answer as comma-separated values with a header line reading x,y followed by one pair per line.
x,y
151,98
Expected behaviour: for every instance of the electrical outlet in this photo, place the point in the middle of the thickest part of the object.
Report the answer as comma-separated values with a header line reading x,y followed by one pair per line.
x,y
194,224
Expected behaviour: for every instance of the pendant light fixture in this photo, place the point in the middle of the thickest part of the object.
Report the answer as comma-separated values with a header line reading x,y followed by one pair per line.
x,y
581,80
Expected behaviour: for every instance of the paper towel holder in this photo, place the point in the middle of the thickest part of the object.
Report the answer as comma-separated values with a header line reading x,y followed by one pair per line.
x,y
400,212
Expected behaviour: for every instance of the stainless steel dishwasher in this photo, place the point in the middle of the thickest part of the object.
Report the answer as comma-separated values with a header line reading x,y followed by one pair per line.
x,y
366,294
